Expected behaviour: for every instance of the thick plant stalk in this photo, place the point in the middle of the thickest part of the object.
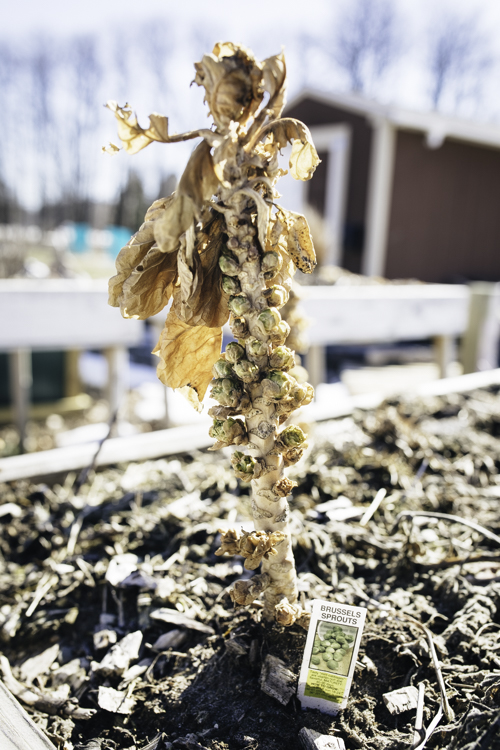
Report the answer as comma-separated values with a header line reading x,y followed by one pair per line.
x,y
269,506
222,247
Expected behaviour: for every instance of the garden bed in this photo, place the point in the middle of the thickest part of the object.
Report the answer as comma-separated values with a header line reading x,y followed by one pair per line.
x,y
132,556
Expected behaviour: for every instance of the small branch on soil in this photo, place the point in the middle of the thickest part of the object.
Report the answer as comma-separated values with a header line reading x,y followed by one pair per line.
x,y
445,517
44,703
419,733
82,477
373,507
445,706
452,561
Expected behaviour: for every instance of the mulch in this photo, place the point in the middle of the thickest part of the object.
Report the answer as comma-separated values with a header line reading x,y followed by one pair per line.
x,y
115,613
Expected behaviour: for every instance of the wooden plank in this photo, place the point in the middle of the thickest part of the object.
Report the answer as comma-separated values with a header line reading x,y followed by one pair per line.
x,y
17,730
192,437
134,448
384,312
62,314
479,350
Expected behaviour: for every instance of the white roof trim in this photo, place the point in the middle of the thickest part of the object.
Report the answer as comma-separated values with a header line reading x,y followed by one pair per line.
x,y
436,126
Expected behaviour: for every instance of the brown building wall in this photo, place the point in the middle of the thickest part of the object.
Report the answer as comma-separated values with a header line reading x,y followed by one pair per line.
x,y
312,113
445,213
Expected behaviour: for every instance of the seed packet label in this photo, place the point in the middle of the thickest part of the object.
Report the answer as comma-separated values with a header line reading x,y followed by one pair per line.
x,y
330,653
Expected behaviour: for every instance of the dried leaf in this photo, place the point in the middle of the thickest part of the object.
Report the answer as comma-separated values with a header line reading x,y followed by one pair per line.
x,y
187,355
201,299
225,156
150,286
199,181
263,213
115,701
232,81
39,664
135,138
111,149
118,659
196,187
274,75
304,158
278,241
176,220
173,617
298,240
129,289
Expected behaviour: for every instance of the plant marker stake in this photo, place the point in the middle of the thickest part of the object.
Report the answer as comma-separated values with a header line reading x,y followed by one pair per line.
x,y
330,653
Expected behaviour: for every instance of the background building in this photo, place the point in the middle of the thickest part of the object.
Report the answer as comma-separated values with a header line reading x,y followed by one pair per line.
x,y
404,194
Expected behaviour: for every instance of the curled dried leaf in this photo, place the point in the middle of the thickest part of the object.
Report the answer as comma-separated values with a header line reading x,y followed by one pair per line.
x,y
135,138
303,160
263,213
201,299
229,542
252,545
277,134
274,76
187,355
110,149
283,487
150,285
199,181
256,545
246,592
232,81
299,242
177,219
286,614
144,282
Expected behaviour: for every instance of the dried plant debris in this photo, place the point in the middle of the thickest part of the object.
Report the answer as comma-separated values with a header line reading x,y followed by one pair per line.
x,y
118,629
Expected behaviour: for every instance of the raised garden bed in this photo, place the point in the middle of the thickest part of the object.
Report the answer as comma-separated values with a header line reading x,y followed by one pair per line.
x,y
193,679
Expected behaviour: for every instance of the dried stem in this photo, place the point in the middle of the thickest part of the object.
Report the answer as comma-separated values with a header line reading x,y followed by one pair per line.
x,y
446,517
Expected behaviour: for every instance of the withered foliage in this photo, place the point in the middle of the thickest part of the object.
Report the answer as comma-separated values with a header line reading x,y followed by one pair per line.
x,y
175,254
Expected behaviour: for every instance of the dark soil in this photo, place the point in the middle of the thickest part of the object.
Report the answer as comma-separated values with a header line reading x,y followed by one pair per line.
x,y
202,690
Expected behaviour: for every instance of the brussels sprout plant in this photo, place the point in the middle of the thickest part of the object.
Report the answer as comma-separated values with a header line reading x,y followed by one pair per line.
x,y
222,249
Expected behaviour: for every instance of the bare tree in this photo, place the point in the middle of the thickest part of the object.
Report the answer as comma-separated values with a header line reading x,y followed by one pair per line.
x,y
7,80
458,58
365,44
43,63
85,76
